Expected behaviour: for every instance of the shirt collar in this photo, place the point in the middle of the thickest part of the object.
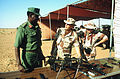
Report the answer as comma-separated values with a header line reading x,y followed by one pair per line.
x,y
31,26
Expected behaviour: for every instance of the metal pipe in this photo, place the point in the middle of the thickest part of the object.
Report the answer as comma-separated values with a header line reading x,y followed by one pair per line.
x,y
111,29
67,11
99,23
82,22
50,27
77,2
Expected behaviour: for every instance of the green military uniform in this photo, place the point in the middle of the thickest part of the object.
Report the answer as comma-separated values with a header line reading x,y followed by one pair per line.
x,y
28,37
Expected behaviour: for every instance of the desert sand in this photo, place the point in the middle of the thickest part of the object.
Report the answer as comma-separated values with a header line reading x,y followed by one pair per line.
x,y
7,54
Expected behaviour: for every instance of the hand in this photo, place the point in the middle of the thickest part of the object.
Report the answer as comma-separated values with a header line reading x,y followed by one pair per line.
x,y
21,68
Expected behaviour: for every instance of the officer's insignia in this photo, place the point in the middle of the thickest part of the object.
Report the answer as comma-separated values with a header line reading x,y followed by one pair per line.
x,y
30,26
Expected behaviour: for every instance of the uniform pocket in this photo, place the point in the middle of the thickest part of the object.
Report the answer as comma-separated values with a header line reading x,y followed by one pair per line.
x,y
32,37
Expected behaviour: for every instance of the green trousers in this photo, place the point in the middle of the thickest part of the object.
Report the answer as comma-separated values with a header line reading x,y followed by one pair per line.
x,y
32,60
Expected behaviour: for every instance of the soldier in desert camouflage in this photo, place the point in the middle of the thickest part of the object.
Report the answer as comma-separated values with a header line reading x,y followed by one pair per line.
x,y
90,40
65,39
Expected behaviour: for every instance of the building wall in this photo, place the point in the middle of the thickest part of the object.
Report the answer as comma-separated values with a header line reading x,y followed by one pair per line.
x,y
45,28
116,29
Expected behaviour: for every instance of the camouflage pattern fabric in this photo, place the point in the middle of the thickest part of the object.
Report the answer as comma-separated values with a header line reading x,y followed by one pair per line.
x,y
65,43
90,40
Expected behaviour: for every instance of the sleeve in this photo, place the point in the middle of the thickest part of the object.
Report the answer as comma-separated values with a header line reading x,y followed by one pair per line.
x,y
40,35
58,33
19,37
76,42
99,34
103,35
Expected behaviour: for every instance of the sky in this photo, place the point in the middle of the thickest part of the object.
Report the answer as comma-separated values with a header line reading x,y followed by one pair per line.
x,y
14,12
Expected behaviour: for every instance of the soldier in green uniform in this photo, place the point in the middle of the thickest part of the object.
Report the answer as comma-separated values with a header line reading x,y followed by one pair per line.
x,y
28,37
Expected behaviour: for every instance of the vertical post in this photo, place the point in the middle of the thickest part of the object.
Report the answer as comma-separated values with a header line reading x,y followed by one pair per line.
x,y
50,27
67,11
111,29
99,23
82,22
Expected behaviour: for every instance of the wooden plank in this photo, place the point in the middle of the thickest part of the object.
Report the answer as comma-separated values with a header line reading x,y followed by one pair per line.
x,y
50,74
109,71
34,74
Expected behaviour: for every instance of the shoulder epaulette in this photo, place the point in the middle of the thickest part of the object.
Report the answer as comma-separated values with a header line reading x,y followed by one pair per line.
x,y
24,24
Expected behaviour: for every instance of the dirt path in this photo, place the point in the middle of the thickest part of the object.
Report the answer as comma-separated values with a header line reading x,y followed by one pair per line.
x,y
7,54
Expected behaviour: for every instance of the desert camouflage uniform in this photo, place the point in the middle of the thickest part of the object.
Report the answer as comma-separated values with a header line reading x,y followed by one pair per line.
x,y
90,41
64,44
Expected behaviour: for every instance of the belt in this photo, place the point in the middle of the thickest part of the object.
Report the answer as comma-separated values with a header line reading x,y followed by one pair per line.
x,y
31,51
66,51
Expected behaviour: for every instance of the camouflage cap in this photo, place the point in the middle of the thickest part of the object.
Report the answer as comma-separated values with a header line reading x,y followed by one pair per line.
x,y
34,10
90,25
70,21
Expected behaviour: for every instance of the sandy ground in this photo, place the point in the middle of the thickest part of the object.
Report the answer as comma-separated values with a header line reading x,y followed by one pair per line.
x,y
7,54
